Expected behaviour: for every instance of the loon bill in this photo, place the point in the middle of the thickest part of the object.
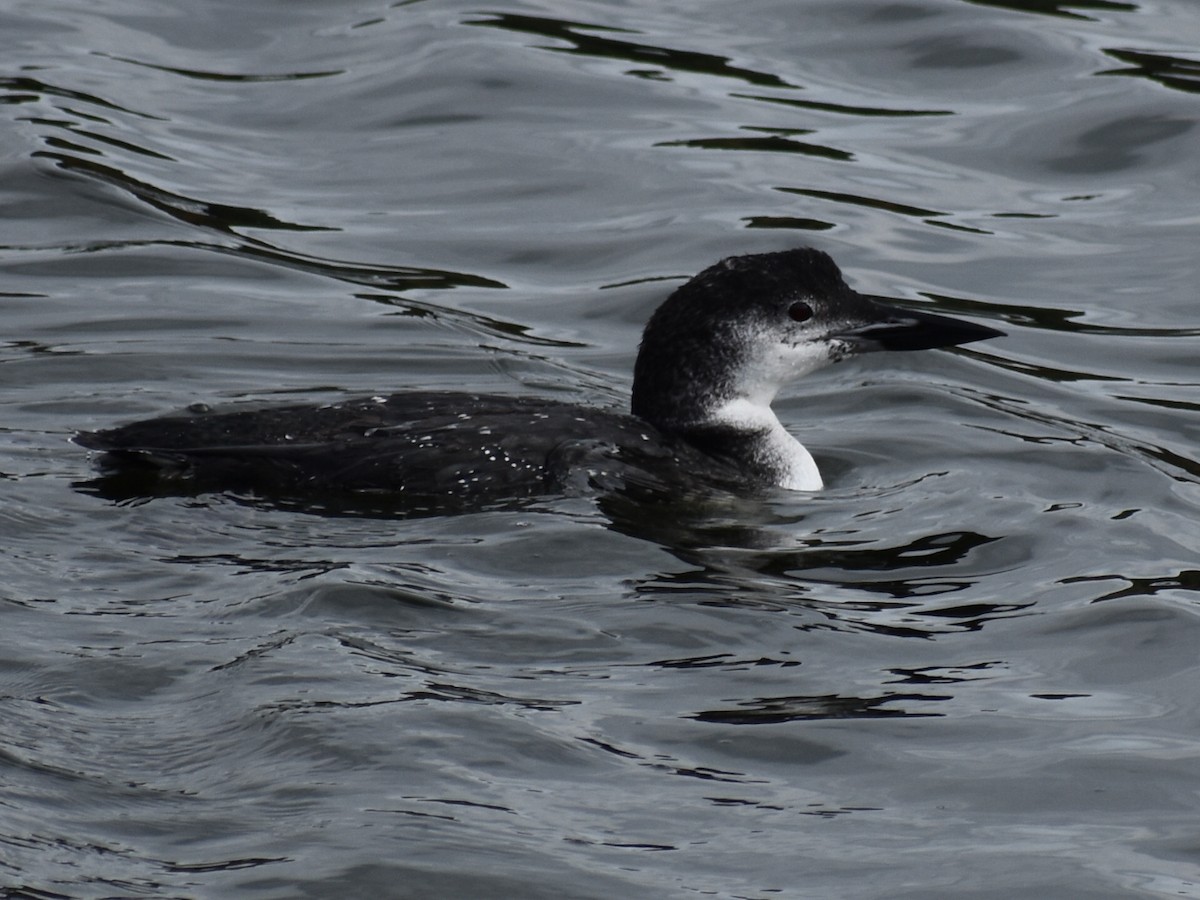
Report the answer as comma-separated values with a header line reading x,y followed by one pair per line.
x,y
712,358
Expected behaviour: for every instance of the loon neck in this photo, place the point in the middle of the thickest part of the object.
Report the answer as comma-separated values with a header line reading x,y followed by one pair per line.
x,y
749,435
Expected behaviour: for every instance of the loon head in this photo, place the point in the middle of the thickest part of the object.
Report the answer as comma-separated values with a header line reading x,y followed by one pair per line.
x,y
716,352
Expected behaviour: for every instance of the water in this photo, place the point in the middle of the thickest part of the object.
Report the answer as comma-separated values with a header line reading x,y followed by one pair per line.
x,y
967,669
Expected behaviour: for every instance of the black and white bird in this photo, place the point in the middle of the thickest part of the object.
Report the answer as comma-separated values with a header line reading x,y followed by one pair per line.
x,y
712,358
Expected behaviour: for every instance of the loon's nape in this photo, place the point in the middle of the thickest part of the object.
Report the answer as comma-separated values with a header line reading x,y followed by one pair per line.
x,y
711,360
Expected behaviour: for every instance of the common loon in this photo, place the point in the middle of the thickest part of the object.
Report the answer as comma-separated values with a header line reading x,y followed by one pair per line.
x,y
712,358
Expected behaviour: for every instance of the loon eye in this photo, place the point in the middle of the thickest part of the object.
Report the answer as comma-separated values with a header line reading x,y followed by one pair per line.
x,y
800,311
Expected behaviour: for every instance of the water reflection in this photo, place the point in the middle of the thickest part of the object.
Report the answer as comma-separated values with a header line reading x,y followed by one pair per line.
x,y
1067,9
774,710
882,112
1174,72
901,209
1048,318
778,140
1176,464
1183,580
588,39
477,323
209,75
848,580
30,90
77,155
213,216
225,220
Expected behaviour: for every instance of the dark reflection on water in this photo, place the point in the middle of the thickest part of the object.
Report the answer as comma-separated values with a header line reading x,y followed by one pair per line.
x,y
215,216
211,218
241,78
750,570
774,710
929,216
1050,319
30,90
1067,10
476,322
592,40
791,223
1175,463
845,109
783,141
1174,72
225,219
1187,580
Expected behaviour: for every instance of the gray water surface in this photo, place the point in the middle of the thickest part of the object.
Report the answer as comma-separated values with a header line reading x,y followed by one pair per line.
x,y
968,669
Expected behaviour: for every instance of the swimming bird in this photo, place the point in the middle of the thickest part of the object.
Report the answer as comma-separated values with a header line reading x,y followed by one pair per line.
x,y
711,360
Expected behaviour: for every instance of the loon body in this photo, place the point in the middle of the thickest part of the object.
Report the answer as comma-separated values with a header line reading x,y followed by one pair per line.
x,y
712,358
